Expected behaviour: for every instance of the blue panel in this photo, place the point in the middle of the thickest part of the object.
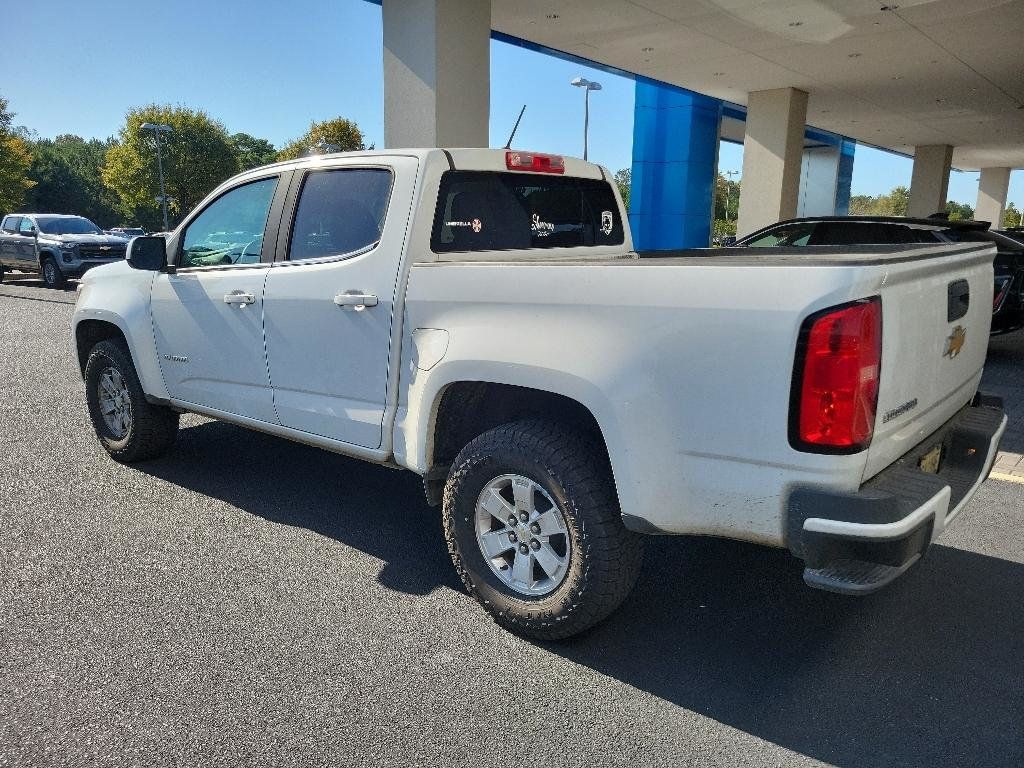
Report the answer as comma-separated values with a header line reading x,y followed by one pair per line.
x,y
675,159
844,177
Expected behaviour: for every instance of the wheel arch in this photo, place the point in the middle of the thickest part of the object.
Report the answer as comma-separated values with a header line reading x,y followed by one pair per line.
x,y
89,333
465,409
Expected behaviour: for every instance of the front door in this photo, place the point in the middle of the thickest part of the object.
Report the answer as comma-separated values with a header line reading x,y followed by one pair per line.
x,y
330,299
27,244
208,314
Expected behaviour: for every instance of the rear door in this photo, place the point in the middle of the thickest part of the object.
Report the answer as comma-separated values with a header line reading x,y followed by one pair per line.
x,y
936,314
329,302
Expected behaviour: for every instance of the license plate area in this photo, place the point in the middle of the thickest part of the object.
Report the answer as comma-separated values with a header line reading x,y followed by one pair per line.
x,y
931,461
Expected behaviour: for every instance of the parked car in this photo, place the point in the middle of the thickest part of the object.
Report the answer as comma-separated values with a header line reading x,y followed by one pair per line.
x,y
126,232
1008,295
1014,233
480,317
55,245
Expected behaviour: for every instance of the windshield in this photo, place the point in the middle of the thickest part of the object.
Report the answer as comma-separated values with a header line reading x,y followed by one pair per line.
x,y
67,225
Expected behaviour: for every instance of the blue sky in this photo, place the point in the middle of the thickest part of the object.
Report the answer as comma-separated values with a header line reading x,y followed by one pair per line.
x,y
268,71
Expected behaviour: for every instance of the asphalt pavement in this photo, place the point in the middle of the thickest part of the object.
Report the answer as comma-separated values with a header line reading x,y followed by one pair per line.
x,y
250,601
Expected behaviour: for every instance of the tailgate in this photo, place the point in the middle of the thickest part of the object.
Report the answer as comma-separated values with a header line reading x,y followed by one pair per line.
x,y
936,314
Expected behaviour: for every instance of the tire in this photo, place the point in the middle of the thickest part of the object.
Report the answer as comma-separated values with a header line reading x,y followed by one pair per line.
x,y
52,276
150,430
602,559
1,274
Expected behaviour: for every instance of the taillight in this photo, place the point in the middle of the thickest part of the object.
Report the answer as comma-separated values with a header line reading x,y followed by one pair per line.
x,y
1002,289
836,379
532,161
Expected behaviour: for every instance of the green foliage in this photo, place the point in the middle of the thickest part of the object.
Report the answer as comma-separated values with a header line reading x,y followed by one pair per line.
x,y
893,204
66,173
197,156
1012,217
721,227
727,201
623,180
337,135
15,159
959,211
252,152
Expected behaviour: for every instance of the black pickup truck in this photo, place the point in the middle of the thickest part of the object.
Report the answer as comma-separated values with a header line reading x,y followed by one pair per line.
x,y
1008,298
55,245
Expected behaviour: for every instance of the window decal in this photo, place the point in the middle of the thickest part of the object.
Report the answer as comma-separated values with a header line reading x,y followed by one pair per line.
x,y
607,222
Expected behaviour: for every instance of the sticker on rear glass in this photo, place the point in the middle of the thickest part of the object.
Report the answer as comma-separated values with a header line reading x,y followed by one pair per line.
x,y
607,222
476,225
541,228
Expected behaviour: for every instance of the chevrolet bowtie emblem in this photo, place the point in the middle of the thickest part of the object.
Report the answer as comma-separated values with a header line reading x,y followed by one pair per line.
x,y
955,342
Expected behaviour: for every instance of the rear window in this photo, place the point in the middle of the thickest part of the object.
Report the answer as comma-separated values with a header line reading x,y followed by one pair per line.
x,y
11,224
488,211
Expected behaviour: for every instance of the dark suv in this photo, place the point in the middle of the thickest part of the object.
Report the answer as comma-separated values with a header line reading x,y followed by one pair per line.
x,y
1008,298
55,245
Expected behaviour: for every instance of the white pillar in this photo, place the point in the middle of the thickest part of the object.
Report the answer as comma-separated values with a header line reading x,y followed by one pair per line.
x,y
993,185
772,152
437,73
929,181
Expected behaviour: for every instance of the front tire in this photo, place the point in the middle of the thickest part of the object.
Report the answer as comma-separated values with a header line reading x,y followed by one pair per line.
x,y
52,276
535,532
128,426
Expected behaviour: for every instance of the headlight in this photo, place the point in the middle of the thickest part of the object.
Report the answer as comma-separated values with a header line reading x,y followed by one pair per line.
x,y
68,246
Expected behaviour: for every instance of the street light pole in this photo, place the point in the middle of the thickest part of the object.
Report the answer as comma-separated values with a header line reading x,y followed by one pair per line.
x,y
157,129
587,86
728,192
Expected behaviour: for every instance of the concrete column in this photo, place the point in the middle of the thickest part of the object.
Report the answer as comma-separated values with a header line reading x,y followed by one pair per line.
x,y
437,73
675,160
826,174
992,188
929,181
772,154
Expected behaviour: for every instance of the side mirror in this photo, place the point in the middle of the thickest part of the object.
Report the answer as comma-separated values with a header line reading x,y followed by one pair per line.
x,y
149,253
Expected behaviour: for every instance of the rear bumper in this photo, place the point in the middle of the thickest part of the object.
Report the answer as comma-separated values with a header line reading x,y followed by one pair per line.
x,y
856,543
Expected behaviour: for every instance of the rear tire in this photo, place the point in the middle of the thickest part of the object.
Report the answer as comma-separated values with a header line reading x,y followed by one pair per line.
x,y
129,427
1,274
52,276
549,472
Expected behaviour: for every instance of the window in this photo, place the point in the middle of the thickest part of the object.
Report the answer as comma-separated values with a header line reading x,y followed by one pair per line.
x,y
230,229
67,225
860,233
786,235
27,227
340,211
484,211
11,224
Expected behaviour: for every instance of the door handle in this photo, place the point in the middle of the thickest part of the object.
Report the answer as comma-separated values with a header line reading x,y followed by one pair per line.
x,y
239,297
356,300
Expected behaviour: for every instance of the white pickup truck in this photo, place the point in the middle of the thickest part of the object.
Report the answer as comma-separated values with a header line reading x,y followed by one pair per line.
x,y
480,318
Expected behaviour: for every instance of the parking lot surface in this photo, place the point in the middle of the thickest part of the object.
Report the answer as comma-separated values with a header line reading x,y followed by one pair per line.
x,y
246,600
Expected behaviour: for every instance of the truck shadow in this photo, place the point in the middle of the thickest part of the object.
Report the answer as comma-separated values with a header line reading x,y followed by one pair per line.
x,y
928,672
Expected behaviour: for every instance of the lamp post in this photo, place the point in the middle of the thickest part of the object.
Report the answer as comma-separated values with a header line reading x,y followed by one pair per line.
x,y
157,129
728,193
587,86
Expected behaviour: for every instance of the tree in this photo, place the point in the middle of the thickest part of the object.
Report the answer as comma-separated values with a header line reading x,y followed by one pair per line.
x,y
15,159
893,204
623,180
337,135
1012,217
251,152
727,201
959,211
197,156
66,173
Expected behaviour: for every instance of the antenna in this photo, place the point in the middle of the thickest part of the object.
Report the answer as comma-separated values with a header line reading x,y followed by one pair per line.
x,y
508,144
